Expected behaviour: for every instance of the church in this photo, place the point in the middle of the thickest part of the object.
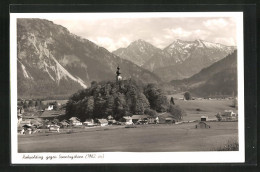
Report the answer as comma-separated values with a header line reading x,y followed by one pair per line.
x,y
118,76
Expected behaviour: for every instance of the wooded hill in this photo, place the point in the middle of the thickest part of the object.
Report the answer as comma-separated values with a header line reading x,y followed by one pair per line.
x,y
118,99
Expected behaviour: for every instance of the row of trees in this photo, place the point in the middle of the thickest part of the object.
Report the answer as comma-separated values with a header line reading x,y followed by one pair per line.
x,y
118,100
37,104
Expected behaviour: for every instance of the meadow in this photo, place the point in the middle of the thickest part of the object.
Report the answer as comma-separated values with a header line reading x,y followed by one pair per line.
x,y
197,108
144,138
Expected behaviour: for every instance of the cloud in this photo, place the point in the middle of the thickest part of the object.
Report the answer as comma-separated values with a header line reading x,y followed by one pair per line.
x,y
215,23
181,32
114,33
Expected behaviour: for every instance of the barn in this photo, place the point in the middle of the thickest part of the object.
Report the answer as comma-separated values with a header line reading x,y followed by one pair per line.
x,y
202,124
204,118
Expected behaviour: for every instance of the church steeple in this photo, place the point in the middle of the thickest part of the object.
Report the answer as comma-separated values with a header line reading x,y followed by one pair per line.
x,y
118,77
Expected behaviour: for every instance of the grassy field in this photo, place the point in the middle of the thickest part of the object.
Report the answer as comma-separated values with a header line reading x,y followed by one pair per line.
x,y
206,107
144,138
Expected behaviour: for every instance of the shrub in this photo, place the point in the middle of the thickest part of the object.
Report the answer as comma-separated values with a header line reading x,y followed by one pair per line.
x,y
187,95
218,116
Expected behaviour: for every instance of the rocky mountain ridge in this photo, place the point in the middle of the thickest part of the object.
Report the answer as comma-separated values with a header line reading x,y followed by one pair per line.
x,y
53,61
181,59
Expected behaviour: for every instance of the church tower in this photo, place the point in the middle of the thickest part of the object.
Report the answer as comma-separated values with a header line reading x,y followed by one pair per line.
x,y
118,77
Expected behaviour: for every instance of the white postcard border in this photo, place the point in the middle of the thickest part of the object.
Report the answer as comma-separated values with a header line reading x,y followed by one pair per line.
x,y
126,157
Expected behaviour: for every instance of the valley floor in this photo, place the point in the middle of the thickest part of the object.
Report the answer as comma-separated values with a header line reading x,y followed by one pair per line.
x,y
144,138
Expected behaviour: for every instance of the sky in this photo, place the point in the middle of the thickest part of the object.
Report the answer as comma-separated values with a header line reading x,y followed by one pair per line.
x,y
114,33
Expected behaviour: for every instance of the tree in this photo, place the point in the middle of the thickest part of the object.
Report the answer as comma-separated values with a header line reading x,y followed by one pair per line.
x,y
120,107
150,112
234,103
99,107
89,107
25,105
218,116
172,101
187,96
110,105
93,83
176,112
36,103
141,103
158,101
30,104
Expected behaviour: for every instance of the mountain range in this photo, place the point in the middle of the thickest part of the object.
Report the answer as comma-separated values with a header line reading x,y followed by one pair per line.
x,y
218,79
53,61
181,59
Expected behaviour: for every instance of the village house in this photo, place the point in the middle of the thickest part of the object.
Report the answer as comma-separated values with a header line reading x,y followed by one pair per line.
x,y
169,120
89,123
228,115
140,118
111,120
75,121
152,120
127,120
54,128
102,122
166,118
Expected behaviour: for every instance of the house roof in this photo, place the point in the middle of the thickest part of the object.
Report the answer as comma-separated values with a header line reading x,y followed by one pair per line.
x,y
102,121
35,122
89,121
139,116
26,122
168,118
